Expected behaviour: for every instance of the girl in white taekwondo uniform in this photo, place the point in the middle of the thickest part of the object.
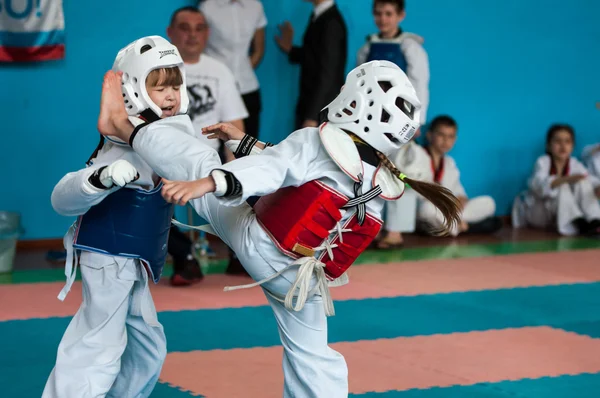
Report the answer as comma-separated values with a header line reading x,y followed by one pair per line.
x,y
115,345
562,195
322,191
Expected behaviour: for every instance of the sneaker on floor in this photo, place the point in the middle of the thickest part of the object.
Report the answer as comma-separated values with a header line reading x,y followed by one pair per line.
x,y
593,228
488,226
186,272
179,280
56,256
193,268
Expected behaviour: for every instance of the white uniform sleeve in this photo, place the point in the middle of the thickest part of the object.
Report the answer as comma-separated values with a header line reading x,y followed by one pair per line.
x,y
262,18
414,161
595,181
423,162
171,150
283,165
74,194
363,53
418,72
540,181
591,158
576,167
589,150
453,177
231,105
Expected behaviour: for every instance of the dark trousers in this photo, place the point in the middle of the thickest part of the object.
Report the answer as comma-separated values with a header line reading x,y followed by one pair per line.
x,y
252,101
179,246
252,122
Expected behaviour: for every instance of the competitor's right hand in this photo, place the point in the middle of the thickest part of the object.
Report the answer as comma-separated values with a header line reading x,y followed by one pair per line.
x,y
118,173
223,131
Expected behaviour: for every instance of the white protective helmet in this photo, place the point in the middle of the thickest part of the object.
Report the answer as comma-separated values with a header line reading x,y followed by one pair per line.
x,y
378,104
136,61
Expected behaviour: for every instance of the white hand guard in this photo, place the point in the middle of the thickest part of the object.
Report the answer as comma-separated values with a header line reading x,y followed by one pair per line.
x,y
119,173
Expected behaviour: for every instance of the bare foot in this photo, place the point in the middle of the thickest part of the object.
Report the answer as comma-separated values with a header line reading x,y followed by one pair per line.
x,y
112,106
392,240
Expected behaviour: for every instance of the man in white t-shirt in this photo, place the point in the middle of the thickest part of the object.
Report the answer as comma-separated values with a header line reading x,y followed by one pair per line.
x,y
214,98
237,38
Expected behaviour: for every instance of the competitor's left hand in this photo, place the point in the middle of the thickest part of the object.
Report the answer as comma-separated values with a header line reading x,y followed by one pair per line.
x,y
223,131
597,192
181,192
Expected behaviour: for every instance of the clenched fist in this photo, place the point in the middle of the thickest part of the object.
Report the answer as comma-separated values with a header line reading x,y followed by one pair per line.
x,y
119,173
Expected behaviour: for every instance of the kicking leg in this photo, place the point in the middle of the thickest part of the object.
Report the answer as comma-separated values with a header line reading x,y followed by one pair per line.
x,y
311,368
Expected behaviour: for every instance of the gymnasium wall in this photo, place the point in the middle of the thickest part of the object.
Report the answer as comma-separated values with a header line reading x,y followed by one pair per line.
x,y
505,70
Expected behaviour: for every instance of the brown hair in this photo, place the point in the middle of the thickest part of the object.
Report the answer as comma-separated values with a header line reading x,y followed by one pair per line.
x,y
164,77
439,196
399,4
192,9
442,120
554,129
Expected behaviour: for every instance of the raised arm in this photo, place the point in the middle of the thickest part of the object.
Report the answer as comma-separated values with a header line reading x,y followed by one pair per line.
x,y
279,166
275,167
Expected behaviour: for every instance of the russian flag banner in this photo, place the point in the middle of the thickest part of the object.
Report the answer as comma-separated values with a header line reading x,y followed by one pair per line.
x,y
31,30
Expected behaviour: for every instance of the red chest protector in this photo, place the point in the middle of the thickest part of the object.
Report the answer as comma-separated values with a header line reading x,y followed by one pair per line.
x,y
299,219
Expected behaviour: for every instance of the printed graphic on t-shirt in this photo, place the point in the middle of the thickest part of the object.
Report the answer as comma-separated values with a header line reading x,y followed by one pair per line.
x,y
202,99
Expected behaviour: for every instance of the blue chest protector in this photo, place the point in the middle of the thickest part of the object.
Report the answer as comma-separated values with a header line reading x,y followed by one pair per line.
x,y
128,223
387,52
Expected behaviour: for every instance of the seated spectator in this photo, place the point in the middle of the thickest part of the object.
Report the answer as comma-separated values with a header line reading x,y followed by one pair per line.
x,y
401,214
562,195
477,213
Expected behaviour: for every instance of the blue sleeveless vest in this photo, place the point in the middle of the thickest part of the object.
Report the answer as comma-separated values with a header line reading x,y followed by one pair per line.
x,y
128,223
387,52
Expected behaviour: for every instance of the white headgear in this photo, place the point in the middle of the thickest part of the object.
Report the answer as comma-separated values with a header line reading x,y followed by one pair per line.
x,y
136,61
378,104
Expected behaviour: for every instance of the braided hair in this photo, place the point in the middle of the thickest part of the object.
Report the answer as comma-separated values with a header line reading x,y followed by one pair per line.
x,y
442,198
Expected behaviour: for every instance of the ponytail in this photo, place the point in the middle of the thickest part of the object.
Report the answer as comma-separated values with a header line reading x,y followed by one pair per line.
x,y
442,198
